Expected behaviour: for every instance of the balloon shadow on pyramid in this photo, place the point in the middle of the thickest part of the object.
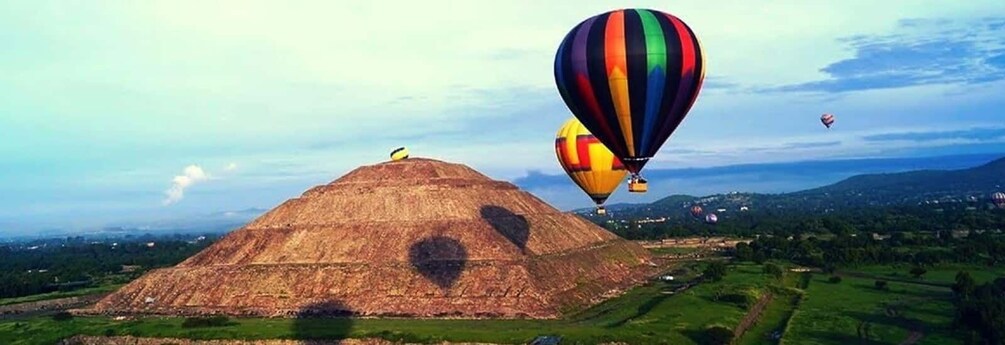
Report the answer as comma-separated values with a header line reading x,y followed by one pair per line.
x,y
514,227
440,259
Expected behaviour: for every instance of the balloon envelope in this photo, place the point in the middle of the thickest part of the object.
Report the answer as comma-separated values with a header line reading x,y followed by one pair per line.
x,y
696,211
998,199
827,120
399,154
630,76
711,218
587,161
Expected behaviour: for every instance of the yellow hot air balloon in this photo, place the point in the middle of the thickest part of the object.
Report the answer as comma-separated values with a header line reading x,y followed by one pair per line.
x,y
588,162
399,154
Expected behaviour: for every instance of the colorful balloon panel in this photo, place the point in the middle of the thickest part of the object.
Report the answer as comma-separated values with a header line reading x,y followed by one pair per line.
x,y
696,211
998,199
827,120
630,76
589,163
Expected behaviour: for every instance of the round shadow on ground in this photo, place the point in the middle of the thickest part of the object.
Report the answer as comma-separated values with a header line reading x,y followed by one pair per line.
x,y
439,259
514,227
328,320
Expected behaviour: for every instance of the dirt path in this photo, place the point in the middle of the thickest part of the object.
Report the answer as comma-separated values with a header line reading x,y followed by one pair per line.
x,y
913,338
51,305
916,327
753,315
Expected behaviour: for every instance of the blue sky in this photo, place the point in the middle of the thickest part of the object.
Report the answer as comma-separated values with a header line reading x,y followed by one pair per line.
x,y
104,105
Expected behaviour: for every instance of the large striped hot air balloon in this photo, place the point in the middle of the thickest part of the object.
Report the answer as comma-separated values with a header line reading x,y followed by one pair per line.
x,y
998,199
827,120
630,76
588,162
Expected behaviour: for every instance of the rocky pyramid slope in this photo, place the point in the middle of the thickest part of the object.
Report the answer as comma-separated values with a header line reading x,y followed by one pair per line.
x,y
416,237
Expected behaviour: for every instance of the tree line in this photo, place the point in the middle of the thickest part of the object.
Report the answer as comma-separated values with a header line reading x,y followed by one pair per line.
x,y
846,250
867,220
72,265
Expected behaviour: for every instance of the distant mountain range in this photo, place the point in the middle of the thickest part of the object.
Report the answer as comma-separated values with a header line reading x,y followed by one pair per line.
x,y
765,178
973,185
213,223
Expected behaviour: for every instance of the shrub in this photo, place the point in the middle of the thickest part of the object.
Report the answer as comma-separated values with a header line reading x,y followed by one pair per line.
x,y
715,271
213,321
881,284
834,279
773,270
740,299
718,335
62,316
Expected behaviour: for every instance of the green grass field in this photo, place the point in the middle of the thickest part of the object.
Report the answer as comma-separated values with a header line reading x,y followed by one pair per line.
x,y
852,311
940,274
855,311
643,315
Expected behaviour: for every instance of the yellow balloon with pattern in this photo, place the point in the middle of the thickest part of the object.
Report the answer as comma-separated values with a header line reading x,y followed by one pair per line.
x,y
399,154
588,162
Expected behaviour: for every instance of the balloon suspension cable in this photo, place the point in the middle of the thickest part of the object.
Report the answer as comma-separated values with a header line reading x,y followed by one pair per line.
x,y
636,178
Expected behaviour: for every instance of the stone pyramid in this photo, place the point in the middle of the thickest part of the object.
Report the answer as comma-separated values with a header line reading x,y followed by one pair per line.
x,y
410,238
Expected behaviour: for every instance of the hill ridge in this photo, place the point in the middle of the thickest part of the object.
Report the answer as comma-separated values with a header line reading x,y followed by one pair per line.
x,y
864,190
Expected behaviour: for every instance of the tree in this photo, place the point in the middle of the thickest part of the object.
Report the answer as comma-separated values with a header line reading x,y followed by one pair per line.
x,y
743,252
715,271
774,270
983,313
759,257
918,271
881,284
965,284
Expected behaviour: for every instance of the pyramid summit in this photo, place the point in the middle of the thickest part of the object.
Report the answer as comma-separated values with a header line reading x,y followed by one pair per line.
x,y
414,237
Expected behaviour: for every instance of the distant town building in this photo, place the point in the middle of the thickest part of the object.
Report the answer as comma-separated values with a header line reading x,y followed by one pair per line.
x,y
130,268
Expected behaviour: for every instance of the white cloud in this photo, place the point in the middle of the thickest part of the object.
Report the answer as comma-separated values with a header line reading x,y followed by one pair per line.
x,y
230,167
190,176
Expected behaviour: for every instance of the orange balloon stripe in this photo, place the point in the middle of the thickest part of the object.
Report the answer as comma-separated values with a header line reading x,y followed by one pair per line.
x,y
616,58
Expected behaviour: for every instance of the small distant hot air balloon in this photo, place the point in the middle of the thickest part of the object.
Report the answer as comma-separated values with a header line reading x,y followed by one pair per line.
x,y
827,120
711,218
998,199
399,154
588,162
631,76
696,211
